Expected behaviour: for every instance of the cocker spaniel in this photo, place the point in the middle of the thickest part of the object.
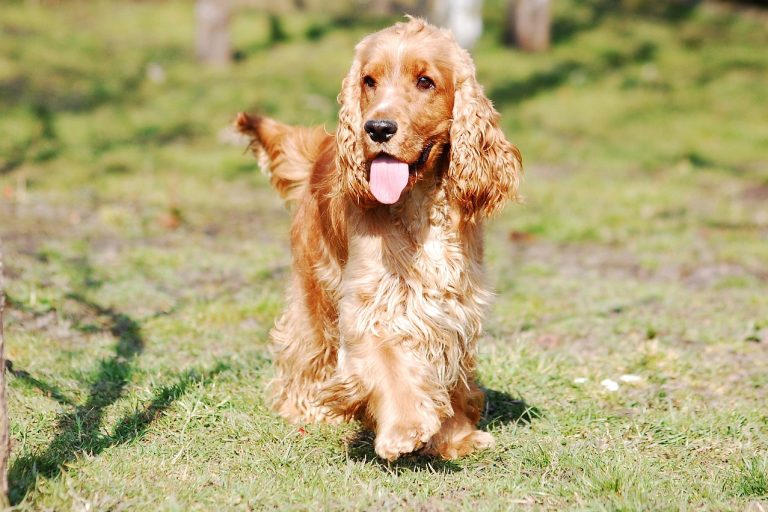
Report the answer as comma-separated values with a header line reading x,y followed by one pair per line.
x,y
386,298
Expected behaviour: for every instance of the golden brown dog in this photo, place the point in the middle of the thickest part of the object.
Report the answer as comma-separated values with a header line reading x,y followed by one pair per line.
x,y
387,295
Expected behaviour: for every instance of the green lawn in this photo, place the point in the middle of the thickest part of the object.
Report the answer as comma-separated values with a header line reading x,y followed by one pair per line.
x,y
146,257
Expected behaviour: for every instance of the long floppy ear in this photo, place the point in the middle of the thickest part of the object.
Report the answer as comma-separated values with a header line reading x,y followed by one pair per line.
x,y
349,154
485,168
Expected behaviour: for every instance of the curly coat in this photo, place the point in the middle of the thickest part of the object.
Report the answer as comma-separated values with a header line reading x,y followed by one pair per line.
x,y
385,302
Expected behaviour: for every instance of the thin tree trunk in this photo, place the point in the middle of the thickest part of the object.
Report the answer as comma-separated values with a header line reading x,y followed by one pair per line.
x,y
5,446
213,39
381,7
463,17
528,24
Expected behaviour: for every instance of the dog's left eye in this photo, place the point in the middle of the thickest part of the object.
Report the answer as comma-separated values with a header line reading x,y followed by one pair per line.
x,y
424,83
369,81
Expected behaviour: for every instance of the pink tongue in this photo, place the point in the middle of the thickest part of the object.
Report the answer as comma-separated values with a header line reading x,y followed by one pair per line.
x,y
389,177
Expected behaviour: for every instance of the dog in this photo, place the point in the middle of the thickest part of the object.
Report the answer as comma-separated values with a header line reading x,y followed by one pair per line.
x,y
387,294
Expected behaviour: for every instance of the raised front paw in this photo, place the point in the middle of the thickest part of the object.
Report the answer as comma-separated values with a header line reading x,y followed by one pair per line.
x,y
397,440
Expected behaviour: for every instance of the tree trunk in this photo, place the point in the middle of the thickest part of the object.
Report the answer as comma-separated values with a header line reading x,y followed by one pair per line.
x,y
381,7
528,24
463,17
5,446
213,41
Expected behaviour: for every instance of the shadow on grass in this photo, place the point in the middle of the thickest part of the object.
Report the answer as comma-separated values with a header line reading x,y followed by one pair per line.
x,y
77,90
561,72
565,28
360,448
502,408
276,33
80,430
593,14
45,388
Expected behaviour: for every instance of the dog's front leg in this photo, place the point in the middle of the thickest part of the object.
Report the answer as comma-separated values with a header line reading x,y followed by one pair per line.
x,y
403,402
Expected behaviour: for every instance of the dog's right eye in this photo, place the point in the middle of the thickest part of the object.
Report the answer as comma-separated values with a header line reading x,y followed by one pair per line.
x,y
369,82
425,83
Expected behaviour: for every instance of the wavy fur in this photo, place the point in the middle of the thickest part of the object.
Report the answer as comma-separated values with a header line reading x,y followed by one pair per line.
x,y
385,304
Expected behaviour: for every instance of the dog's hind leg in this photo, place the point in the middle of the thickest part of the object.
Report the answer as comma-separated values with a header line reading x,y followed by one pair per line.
x,y
305,359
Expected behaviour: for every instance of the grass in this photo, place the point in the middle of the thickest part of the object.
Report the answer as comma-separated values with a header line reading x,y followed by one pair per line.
x,y
146,259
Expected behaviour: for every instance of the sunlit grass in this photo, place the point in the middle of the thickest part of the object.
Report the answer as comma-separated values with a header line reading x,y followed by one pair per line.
x,y
146,258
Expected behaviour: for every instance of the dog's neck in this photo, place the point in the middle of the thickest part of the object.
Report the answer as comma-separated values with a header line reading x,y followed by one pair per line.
x,y
426,204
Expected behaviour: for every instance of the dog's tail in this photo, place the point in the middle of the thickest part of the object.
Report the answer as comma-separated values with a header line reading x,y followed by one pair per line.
x,y
286,153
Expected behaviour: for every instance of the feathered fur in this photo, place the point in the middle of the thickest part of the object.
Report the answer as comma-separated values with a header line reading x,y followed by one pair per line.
x,y
385,303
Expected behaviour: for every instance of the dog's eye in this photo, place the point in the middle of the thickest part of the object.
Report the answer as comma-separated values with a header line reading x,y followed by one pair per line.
x,y
369,82
424,83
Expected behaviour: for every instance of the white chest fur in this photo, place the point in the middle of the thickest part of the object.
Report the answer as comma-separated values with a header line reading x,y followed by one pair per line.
x,y
414,279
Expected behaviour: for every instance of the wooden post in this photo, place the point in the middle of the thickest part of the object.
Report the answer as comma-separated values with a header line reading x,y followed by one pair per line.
x,y
528,24
5,446
213,40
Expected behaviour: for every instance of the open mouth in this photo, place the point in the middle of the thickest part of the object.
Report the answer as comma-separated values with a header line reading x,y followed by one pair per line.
x,y
389,176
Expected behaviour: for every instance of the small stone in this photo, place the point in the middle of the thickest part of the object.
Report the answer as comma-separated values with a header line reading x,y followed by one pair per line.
x,y
610,385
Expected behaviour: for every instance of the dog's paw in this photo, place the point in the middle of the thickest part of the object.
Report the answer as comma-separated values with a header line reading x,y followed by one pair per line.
x,y
460,446
480,440
397,440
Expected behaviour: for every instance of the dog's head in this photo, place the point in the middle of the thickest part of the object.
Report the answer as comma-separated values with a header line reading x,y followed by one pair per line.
x,y
410,96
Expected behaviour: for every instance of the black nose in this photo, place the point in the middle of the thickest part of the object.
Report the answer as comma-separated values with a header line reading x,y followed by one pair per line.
x,y
380,130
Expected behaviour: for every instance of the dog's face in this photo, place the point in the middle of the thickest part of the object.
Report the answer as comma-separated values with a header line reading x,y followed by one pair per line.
x,y
406,98
410,96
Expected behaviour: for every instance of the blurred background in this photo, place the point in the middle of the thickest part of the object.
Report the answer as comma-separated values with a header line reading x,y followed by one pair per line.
x,y
141,240
642,124
115,93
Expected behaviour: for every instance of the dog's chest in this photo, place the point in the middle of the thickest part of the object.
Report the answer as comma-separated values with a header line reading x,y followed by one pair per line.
x,y
415,275
439,262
